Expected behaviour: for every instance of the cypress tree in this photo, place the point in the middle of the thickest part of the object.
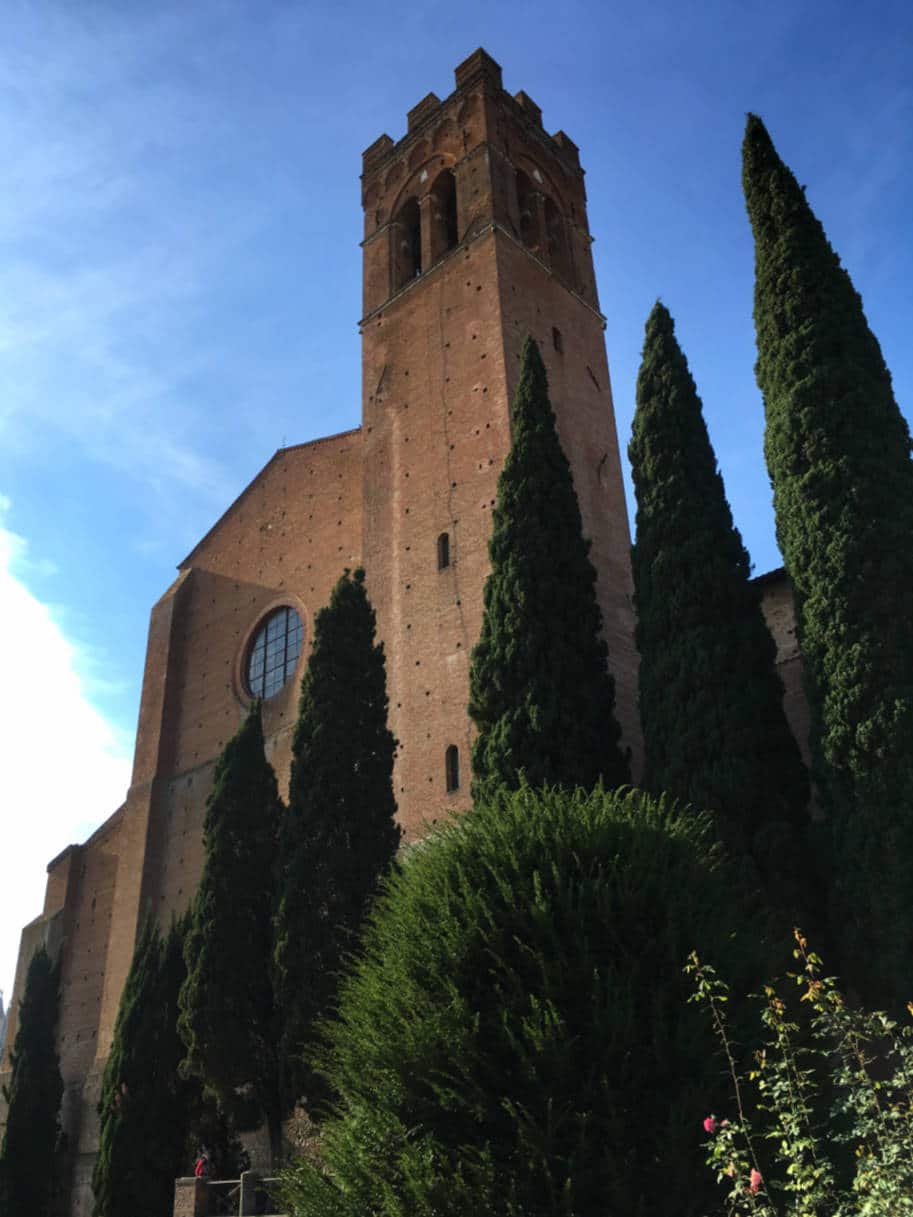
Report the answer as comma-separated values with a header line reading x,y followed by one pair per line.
x,y
144,1105
228,1016
711,702
539,689
339,835
30,1139
838,454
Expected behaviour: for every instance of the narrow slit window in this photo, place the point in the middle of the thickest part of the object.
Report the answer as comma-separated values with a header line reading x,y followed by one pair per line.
x,y
443,551
557,340
452,768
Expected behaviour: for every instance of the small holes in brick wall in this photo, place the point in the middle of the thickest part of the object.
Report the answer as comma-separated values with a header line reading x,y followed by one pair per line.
x,y
418,663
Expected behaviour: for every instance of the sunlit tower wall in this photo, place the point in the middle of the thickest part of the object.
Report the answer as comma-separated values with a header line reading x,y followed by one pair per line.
x,y
476,234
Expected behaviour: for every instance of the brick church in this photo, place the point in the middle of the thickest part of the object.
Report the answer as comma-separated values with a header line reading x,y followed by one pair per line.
x,y
475,234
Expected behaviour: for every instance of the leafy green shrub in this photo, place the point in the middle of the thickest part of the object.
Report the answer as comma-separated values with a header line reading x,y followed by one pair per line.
x,y
823,1120
514,1038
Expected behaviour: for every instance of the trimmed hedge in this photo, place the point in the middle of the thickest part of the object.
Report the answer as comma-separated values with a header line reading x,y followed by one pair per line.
x,y
515,1037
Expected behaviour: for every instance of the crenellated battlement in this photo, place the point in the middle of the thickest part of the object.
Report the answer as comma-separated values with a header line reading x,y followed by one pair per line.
x,y
479,70
477,159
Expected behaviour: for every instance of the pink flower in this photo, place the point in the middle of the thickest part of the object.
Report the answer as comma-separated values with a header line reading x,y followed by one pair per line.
x,y
754,1181
710,1124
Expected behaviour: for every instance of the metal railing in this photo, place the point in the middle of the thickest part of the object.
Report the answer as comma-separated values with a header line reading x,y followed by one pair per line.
x,y
223,1197
253,1195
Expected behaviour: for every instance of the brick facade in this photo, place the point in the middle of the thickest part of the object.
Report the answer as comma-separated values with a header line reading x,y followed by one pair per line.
x,y
475,234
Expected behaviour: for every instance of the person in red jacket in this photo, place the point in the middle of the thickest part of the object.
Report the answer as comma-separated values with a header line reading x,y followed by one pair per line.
x,y
201,1170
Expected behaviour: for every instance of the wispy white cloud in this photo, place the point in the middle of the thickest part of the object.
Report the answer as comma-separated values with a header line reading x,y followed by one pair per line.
x,y
65,767
108,245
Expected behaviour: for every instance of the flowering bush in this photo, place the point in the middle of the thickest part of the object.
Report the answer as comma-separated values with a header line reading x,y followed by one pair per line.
x,y
823,1118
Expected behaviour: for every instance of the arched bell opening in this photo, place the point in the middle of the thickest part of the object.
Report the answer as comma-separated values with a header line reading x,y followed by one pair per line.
x,y
444,227
407,244
559,254
528,207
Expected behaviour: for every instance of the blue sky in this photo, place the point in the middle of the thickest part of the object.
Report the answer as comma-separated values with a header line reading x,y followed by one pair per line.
x,y
180,280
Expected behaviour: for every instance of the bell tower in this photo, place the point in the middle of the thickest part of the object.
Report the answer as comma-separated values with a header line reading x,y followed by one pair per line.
x,y
476,234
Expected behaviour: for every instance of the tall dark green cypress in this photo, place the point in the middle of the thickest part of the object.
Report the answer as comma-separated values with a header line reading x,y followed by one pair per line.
x,y
145,1104
711,702
28,1149
228,1013
838,454
539,688
340,834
